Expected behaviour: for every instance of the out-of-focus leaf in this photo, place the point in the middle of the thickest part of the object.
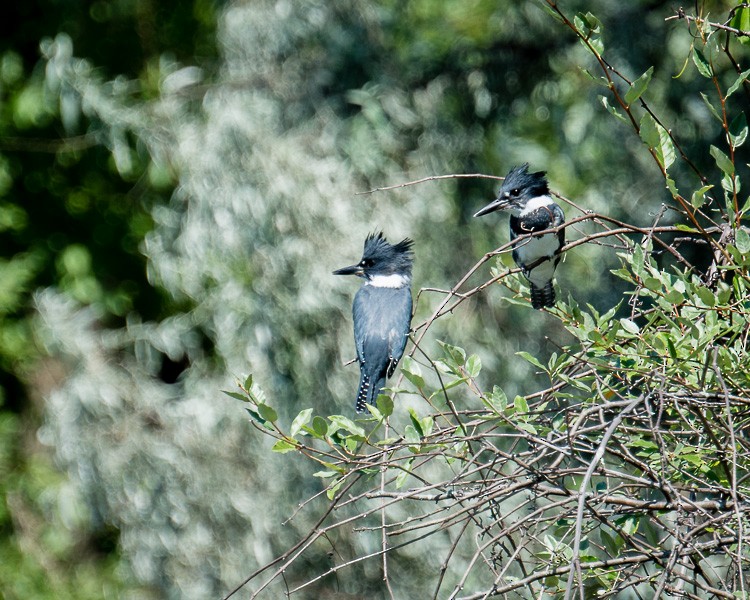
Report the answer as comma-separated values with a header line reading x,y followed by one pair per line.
x,y
741,21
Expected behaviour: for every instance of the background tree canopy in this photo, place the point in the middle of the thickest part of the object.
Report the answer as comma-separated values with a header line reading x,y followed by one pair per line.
x,y
179,180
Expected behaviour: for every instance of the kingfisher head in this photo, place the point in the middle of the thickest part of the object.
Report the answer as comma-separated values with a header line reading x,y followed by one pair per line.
x,y
519,187
382,263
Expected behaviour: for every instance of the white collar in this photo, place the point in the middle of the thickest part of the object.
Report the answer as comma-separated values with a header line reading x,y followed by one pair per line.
x,y
388,281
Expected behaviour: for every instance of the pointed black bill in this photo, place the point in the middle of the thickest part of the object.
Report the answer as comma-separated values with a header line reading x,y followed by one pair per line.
x,y
353,270
498,204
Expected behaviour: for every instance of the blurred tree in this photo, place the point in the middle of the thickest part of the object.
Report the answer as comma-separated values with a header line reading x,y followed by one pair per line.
x,y
72,218
265,133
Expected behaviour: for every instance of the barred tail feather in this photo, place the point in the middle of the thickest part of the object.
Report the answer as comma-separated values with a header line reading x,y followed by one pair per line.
x,y
541,297
364,392
368,392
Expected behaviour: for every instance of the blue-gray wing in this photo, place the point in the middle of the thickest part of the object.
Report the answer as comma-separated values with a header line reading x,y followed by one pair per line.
x,y
382,317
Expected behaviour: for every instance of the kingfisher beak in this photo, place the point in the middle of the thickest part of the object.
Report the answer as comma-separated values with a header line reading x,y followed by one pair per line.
x,y
500,203
353,270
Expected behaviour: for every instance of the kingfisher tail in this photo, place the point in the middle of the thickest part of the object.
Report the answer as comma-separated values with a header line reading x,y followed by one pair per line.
x,y
544,296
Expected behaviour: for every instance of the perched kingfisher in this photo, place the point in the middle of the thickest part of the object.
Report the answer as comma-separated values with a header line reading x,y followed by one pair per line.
x,y
381,311
526,196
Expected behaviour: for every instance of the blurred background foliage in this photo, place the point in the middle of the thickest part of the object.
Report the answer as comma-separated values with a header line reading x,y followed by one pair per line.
x,y
177,182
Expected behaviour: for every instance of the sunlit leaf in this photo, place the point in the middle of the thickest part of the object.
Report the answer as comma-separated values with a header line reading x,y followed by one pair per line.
x,y
611,109
742,241
703,66
738,130
520,404
711,108
532,359
698,199
630,326
303,418
345,423
722,161
639,86
741,21
738,82
283,446
473,365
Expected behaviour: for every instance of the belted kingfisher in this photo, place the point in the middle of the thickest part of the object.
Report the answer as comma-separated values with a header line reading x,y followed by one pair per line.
x,y
381,311
526,196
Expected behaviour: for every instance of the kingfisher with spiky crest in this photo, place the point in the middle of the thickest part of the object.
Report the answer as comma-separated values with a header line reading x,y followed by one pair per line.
x,y
382,312
526,196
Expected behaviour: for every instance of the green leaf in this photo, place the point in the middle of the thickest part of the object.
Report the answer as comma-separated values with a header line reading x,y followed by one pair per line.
x,y
698,199
590,28
333,488
722,161
248,382
706,296
283,446
738,130
497,401
630,326
236,395
404,474
533,360
599,80
711,108
741,20
473,366
612,546
412,371
736,85
671,185
268,413
412,437
320,426
742,241
648,132
657,138
385,405
666,154
416,422
302,419
454,353
345,423
639,86
611,109
326,474
520,404
703,66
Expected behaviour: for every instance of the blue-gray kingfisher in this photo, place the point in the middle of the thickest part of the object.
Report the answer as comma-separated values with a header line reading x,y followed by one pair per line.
x,y
526,196
381,311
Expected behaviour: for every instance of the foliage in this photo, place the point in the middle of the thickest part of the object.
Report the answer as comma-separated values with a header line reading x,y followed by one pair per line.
x,y
185,227
628,474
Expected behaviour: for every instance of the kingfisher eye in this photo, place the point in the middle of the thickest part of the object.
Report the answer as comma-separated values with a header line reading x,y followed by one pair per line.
x,y
515,192
365,262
